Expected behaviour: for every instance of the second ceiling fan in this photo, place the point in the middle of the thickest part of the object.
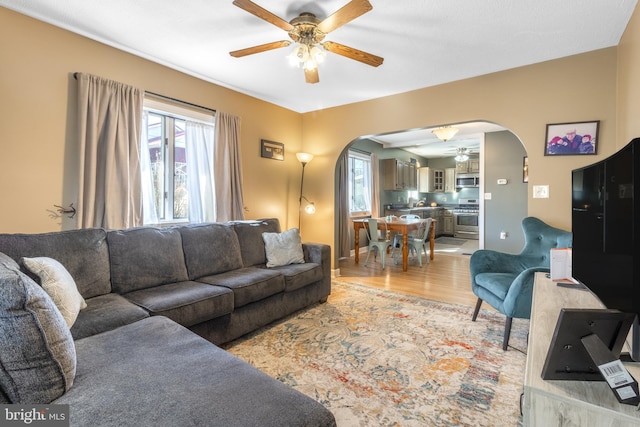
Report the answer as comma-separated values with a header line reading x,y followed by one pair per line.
x,y
309,32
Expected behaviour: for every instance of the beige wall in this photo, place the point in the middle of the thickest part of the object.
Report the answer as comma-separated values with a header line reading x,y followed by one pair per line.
x,y
37,166
37,97
524,100
628,102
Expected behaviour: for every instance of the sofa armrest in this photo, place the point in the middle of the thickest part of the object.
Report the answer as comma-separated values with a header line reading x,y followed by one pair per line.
x,y
321,254
316,252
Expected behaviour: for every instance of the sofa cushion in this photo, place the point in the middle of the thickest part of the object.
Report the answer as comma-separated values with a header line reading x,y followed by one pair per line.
x,y
144,257
84,253
104,313
37,353
210,249
250,238
283,248
187,303
248,284
58,283
157,373
298,276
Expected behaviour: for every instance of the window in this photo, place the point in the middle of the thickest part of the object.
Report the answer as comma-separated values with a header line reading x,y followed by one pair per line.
x,y
359,183
171,152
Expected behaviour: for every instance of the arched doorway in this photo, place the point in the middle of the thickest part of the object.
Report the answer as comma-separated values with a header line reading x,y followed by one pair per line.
x,y
501,194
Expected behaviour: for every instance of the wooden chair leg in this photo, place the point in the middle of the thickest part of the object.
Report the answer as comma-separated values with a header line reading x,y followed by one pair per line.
x,y
477,310
507,332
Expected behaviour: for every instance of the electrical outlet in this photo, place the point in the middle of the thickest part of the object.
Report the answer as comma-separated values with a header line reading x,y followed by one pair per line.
x,y
504,235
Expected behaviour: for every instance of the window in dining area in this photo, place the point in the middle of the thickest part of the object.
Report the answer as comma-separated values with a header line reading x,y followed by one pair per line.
x,y
360,183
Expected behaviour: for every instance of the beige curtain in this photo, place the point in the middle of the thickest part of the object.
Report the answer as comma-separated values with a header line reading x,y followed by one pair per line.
x,y
228,169
344,220
109,120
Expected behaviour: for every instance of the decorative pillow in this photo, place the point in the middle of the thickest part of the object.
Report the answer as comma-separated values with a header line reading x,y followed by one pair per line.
x,y
283,248
7,262
37,353
56,280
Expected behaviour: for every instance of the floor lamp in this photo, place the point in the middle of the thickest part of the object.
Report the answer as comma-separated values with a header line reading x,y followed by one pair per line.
x,y
304,158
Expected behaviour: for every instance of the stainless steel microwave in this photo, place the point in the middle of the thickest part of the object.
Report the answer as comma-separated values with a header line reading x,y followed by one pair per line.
x,y
467,180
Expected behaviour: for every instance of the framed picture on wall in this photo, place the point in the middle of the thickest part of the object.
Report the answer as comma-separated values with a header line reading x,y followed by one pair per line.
x,y
271,150
525,169
571,139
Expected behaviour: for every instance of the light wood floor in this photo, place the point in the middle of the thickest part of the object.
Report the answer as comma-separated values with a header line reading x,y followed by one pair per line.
x,y
445,279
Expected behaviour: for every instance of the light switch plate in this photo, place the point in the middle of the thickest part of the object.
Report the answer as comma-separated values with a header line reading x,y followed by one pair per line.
x,y
502,181
540,191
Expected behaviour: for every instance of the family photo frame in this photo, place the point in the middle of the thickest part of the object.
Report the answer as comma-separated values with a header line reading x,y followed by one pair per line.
x,y
572,139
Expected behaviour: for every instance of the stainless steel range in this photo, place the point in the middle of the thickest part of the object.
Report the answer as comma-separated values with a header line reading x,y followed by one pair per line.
x,y
465,219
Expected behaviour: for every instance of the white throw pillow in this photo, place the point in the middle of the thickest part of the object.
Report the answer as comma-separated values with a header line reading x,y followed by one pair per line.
x,y
283,248
58,283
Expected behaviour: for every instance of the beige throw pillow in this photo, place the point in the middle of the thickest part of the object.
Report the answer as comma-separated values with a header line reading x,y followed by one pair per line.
x,y
58,283
283,248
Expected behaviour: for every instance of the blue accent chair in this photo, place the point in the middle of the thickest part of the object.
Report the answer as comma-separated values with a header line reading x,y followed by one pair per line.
x,y
505,281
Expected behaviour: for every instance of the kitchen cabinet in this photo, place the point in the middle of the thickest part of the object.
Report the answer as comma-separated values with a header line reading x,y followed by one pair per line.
x,y
448,222
468,166
399,175
450,180
430,180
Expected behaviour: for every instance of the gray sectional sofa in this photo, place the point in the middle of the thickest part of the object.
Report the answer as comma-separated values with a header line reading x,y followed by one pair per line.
x,y
152,295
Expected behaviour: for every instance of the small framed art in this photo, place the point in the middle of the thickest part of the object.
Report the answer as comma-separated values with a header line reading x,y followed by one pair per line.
x,y
525,169
571,139
271,150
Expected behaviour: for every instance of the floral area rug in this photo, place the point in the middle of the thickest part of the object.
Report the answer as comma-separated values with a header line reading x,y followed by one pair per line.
x,y
379,358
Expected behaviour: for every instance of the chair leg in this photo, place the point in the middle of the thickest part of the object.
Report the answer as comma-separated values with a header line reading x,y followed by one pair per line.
x,y
369,253
507,332
477,310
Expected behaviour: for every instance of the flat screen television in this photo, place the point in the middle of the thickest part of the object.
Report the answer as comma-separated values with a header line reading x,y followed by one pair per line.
x,y
606,232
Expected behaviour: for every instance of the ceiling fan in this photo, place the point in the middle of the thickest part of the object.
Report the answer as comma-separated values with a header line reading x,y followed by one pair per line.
x,y
309,32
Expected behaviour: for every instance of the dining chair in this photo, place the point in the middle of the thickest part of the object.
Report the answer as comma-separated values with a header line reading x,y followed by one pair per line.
x,y
397,237
418,242
377,243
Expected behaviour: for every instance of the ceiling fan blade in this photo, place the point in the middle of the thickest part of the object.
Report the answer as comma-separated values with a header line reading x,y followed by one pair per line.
x,y
349,52
262,13
311,76
346,13
261,48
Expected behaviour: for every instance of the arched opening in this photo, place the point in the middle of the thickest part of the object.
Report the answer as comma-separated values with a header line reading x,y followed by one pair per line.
x,y
495,156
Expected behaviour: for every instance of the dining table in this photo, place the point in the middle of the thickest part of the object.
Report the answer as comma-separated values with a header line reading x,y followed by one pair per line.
x,y
400,225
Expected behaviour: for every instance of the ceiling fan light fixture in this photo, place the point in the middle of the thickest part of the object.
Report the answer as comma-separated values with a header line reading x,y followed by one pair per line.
x,y
445,133
462,155
317,54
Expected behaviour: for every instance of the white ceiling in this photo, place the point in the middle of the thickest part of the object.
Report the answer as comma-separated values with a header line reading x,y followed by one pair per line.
x,y
424,143
423,42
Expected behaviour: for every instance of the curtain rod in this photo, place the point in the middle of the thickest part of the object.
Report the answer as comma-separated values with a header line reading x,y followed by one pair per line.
x,y
75,76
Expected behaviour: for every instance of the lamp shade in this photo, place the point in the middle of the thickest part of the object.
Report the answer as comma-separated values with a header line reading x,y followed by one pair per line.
x,y
445,133
304,158
310,208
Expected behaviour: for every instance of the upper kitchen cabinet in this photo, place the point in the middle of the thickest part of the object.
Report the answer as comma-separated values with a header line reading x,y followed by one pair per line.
x,y
450,180
399,175
468,166
430,180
